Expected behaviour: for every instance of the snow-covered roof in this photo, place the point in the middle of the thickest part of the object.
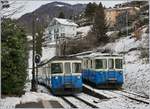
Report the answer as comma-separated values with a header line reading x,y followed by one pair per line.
x,y
65,21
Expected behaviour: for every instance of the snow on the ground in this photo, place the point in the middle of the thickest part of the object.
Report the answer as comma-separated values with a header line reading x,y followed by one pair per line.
x,y
136,72
78,103
10,102
30,65
84,30
137,78
41,94
59,5
127,43
119,102
112,34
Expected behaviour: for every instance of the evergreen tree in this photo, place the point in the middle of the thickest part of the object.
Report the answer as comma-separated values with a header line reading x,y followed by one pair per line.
x,y
90,10
99,27
61,15
14,58
39,39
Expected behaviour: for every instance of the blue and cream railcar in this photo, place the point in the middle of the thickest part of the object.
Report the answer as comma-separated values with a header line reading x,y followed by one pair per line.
x,y
66,75
43,74
103,70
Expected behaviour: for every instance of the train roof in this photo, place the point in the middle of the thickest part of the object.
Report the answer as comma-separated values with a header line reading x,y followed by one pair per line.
x,y
103,55
58,58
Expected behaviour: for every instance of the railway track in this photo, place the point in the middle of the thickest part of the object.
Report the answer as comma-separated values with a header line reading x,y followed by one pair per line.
x,y
113,94
146,97
68,102
89,104
132,96
77,102
93,92
77,98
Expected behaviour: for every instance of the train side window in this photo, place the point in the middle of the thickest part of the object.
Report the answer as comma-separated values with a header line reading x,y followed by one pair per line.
x,y
76,67
86,63
101,64
56,68
110,63
91,63
67,68
118,64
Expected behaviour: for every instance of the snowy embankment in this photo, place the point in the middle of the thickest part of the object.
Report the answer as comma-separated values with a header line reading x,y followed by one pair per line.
x,y
136,70
10,102
84,30
42,94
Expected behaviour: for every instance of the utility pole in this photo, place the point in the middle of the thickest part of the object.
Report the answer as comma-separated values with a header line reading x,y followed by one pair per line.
x,y
33,82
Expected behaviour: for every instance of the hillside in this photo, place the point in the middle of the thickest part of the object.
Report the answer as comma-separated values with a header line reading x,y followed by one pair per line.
x,y
45,13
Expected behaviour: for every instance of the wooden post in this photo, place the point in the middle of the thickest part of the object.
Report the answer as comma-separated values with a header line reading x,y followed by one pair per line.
x,y
33,82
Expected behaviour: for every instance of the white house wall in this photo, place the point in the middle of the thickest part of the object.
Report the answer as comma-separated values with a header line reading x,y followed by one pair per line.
x,y
68,30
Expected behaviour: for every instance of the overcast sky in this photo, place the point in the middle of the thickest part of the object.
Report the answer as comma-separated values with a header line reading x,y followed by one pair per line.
x,y
31,5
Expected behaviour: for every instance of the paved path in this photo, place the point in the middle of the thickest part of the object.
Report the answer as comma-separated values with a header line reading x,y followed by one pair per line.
x,y
40,104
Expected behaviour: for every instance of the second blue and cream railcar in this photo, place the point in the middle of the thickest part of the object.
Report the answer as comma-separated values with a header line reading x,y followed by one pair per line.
x,y
103,70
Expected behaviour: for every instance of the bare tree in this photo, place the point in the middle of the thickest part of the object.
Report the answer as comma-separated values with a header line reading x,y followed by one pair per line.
x,y
9,8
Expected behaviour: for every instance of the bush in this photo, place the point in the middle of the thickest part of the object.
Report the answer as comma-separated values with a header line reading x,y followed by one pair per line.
x,y
13,58
145,54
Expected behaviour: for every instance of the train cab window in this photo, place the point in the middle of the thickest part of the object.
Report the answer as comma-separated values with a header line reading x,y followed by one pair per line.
x,y
89,64
110,63
100,63
118,64
56,68
67,68
76,67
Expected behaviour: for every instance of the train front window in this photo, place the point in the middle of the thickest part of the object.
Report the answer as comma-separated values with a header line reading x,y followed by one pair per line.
x,y
56,68
100,63
110,63
67,68
76,67
118,64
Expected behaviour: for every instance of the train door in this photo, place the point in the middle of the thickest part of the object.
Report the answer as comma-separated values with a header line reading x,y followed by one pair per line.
x,y
67,75
111,75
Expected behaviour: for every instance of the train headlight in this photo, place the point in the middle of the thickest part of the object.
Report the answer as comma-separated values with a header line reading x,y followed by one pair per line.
x,y
56,77
78,77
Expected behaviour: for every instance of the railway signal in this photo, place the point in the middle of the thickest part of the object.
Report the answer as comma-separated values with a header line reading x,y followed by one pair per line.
x,y
37,59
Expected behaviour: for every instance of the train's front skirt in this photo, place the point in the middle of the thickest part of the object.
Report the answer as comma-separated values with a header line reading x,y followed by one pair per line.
x,y
104,78
66,85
